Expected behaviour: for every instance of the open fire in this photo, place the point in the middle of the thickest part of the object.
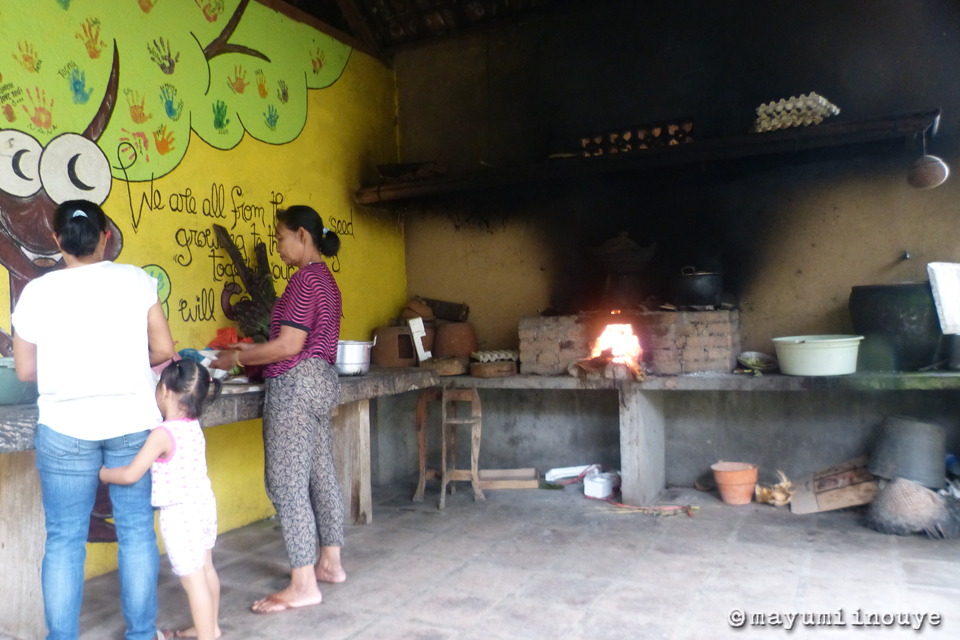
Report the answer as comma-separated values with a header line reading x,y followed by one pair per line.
x,y
615,355
622,345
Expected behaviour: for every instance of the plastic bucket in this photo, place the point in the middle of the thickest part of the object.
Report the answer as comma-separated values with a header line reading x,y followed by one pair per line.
x,y
12,391
832,355
911,449
736,481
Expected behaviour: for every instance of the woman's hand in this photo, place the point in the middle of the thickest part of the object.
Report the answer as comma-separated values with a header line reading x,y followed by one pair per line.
x,y
226,360
240,346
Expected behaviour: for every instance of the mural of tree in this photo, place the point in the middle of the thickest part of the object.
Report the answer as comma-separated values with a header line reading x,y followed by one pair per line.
x,y
245,69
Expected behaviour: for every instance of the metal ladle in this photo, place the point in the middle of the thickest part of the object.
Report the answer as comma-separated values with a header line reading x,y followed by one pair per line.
x,y
928,171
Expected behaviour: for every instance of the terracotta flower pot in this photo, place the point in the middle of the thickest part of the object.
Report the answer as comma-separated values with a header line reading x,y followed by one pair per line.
x,y
736,481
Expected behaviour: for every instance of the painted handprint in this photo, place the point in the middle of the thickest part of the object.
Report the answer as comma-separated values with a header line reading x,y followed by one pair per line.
x,y
28,57
173,107
164,140
78,82
239,82
137,112
211,9
261,83
270,117
163,56
137,141
282,92
91,38
42,116
146,5
220,119
318,59
9,113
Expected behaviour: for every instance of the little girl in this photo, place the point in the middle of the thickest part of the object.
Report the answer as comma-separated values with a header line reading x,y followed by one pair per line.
x,y
175,454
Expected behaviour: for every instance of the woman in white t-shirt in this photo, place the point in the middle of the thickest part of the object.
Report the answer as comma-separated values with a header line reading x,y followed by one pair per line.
x,y
95,410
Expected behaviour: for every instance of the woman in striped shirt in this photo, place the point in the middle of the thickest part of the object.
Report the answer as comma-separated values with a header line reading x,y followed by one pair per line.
x,y
302,389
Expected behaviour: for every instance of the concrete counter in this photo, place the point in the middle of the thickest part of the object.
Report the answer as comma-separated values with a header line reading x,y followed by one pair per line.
x,y
936,381
649,409
18,423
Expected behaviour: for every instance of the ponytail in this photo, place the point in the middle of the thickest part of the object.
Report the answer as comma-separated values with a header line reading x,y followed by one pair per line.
x,y
303,217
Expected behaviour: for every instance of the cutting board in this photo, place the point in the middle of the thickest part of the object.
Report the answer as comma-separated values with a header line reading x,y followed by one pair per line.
x,y
498,369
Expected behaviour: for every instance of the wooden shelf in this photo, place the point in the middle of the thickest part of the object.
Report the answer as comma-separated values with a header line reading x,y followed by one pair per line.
x,y
820,136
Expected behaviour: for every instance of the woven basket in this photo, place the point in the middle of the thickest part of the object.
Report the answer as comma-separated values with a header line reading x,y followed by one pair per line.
x,y
904,507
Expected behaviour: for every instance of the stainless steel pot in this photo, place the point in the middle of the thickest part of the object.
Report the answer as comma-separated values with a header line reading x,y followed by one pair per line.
x,y
353,357
695,288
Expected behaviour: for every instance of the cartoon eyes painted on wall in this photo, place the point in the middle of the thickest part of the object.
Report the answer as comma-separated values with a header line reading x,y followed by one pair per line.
x,y
19,163
70,167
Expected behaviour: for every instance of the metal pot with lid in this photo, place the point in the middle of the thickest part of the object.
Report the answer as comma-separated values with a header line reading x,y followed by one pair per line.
x,y
692,288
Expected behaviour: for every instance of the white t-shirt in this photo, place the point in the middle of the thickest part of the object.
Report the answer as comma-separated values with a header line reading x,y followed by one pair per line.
x,y
89,324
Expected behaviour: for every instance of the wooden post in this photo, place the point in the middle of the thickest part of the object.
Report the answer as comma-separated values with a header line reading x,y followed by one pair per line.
x,y
22,536
351,459
643,472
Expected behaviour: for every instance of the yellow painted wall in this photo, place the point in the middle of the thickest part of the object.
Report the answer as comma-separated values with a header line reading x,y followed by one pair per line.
x,y
307,121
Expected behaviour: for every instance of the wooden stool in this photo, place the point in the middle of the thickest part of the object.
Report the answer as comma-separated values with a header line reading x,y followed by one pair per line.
x,y
448,435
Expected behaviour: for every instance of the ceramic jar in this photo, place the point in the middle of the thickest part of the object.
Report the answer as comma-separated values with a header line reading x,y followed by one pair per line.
x,y
455,339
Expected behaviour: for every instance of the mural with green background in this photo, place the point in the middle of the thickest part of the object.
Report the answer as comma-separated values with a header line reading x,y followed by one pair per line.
x,y
220,67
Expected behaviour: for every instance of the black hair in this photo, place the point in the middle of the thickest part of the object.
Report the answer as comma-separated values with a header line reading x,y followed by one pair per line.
x,y
303,217
78,225
191,381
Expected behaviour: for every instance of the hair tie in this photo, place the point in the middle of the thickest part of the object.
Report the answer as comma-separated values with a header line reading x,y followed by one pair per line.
x,y
325,230
79,213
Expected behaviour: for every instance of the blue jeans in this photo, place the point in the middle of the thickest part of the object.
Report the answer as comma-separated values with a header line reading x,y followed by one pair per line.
x,y
69,473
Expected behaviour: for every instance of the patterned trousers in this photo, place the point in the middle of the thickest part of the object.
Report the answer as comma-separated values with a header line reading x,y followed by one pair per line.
x,y
298,467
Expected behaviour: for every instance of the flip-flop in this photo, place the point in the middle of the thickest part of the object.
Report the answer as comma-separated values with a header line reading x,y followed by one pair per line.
x,y
165,635
283,605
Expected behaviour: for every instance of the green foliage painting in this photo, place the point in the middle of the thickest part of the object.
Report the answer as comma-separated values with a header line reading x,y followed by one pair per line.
x,y
220,67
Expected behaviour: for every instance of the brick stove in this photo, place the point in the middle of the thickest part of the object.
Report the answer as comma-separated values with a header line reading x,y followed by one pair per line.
x,y
673,342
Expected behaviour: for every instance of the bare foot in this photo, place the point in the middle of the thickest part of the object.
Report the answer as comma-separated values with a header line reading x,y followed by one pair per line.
x,y
289,598
329,572
192,633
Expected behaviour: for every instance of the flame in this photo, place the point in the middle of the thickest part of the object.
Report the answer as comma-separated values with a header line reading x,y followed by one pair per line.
x,y
624,346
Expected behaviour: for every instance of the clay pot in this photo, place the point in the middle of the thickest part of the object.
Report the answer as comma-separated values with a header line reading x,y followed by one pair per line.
x,y
394,347
736,481
455,339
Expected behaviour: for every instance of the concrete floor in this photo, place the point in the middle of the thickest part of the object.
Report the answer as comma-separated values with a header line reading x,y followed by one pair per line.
x,y
553,565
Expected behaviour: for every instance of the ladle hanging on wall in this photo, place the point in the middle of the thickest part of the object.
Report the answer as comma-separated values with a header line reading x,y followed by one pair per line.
x,y
928,171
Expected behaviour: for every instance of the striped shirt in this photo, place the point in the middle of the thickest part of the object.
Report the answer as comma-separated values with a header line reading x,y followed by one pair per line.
x,y
311,302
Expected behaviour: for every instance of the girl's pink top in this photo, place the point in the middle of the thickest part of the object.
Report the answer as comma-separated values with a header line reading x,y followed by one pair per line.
x,y
181,476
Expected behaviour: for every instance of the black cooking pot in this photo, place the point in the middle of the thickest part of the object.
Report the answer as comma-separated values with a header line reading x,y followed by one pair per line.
x,y
695,288
899,323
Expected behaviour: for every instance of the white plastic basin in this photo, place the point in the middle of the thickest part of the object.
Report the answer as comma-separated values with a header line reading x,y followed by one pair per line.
x,y
830,355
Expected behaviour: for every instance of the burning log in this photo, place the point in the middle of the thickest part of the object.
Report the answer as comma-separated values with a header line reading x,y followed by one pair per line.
x,y
609,366
605,367
615,356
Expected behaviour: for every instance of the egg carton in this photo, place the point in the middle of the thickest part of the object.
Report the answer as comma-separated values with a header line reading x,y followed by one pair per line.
x,y
794,111
495,356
